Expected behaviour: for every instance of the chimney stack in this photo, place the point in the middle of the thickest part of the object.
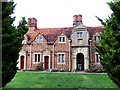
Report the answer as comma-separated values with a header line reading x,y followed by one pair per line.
x,y
32,25
77,20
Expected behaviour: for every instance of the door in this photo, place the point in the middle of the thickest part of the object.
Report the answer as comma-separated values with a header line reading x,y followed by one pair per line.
x,y
22,62
80,61
46,62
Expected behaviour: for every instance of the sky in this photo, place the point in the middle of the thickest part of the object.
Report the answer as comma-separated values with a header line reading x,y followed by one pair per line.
x,y
59,13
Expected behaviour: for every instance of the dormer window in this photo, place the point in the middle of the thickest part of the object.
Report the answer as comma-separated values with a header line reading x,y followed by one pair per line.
x,y
39,40
62,39
96,38
79,34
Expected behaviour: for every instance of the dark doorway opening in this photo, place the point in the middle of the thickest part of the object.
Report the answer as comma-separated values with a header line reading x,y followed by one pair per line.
x,y
46,62
80,61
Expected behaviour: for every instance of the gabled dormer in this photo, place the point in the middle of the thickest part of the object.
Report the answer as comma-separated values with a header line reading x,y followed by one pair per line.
x,y
62,38
39,39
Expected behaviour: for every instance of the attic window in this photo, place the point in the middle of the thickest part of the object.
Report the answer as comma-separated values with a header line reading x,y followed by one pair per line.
x,y
79,34
96,38
39,40
62,39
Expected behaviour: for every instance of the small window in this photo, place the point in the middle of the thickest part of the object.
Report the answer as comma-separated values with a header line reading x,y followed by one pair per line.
x,y
97,58
37,57
96,38
80,41
39,40
79,34
61,58
62,39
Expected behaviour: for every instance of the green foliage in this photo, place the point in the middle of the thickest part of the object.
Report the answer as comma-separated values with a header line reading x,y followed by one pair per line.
x,y
22,27
109,46
11,43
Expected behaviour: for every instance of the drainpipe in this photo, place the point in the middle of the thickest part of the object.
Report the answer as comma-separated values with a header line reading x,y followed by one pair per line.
x,y
30,56
53,56
90,51
69,55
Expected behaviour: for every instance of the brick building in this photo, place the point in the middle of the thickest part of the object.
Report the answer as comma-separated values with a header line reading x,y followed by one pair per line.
x,y
68,48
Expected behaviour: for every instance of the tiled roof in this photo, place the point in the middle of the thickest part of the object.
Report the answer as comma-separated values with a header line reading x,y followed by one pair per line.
x,y
93,30
51,34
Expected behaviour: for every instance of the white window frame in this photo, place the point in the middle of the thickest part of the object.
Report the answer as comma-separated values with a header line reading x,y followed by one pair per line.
x,y
79,34
37,58
62,37
97,61
97,39
39,37
58,58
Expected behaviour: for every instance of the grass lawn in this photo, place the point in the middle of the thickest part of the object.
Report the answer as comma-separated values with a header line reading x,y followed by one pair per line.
x,y
60,80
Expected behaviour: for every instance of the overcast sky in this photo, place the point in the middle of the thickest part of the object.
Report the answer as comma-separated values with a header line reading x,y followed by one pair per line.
x,y
59,13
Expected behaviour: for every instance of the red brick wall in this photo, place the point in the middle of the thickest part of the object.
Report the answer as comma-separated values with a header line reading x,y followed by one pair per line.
x,y
62,48
59,48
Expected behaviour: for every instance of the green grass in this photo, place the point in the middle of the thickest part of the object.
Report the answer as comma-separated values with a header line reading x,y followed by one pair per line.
x,y
60,80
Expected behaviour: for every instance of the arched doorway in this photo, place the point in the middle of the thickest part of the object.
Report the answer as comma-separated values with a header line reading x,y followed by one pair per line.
x,y
22,62
80,61
46,62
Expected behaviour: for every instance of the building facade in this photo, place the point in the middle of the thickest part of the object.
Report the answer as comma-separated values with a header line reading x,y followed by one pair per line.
x,y
68,48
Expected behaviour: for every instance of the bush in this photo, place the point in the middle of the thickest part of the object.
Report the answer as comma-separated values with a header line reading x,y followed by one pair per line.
x,y
40,66
95,68
98,68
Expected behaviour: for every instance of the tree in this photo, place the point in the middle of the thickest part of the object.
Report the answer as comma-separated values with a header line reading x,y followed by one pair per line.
x,y
109,45
11,42
22,27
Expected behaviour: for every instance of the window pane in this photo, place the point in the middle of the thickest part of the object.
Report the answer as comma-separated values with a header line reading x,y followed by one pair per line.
x,y
97,57
59,58
38,57
62,58
79,34
60,39
63,39
39,40
98,38
95,38
35,57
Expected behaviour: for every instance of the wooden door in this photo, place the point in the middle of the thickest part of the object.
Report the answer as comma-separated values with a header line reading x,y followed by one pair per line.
x,y
22,62
46,62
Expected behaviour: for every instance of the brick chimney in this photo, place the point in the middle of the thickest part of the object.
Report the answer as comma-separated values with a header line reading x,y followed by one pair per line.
x,y
77,20
32,25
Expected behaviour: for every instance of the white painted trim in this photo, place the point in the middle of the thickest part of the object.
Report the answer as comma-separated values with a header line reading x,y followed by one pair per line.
x,y
96,58
44,60
58,58
59,39
34,57
22,53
